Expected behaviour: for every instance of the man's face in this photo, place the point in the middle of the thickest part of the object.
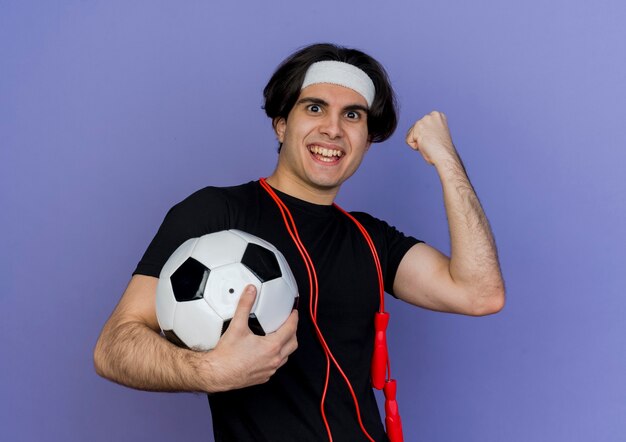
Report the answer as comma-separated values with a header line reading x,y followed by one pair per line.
x,y
324,138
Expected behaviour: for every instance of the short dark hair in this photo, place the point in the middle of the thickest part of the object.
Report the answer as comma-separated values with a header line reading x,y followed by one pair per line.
x,y
283,89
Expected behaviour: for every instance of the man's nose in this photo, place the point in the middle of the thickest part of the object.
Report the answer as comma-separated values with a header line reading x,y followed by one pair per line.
x,y
331,126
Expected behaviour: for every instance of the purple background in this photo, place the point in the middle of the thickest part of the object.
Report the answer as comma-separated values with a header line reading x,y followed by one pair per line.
x,y
110,112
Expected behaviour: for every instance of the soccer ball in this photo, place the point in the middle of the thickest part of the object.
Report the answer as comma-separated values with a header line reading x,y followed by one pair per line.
x,y
201,283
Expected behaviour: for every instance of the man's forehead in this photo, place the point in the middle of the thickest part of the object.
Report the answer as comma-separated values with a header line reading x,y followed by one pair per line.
x,y
333,94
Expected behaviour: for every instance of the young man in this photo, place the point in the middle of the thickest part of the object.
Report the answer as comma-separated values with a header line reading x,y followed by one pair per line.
x,y
327,105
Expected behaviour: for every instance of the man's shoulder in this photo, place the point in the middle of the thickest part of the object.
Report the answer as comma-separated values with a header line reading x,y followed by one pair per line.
x,y
212,201
367,219
219,194
381,228
239,189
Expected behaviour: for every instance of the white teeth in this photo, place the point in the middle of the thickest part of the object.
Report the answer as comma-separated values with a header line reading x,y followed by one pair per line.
x,y
329,153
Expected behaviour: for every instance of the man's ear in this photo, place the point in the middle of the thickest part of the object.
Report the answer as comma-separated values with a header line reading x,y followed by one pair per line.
x,y
279,124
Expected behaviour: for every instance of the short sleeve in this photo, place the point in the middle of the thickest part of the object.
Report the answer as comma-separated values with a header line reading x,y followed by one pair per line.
x,y
391,244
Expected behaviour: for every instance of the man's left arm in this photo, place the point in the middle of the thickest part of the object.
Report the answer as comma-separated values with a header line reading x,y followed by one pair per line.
x,y
470,281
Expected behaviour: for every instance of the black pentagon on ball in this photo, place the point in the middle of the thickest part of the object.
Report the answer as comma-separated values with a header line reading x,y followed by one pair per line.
x,y
171,336
253,324
262,262
189,280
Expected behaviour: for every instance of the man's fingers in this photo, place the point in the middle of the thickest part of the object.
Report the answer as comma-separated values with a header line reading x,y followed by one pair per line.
x,y
290,346
246,301
411,137
286,336
288,329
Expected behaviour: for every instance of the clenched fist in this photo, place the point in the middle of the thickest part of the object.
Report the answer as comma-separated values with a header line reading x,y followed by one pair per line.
x,y
431,137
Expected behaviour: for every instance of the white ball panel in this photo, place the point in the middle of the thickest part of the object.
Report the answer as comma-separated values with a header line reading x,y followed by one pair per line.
x,y
219,248
178,257
225,286
274,304
197,325
165,304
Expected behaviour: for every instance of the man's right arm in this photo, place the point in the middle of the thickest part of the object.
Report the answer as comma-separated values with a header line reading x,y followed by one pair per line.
x,y
131,352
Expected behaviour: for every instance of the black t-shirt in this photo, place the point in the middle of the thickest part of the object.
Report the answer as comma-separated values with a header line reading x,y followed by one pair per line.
x,y
287,407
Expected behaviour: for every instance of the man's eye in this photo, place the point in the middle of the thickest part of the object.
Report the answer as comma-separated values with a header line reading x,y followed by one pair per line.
x,y
314,108
353,115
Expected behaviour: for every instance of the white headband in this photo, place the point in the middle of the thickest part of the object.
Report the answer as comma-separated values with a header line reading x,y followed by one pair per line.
x,y
342,74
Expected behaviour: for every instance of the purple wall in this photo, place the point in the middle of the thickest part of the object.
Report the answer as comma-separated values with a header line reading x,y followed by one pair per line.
x,y
110,112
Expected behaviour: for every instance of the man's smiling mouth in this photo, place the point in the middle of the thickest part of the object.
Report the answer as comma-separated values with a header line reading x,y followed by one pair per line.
x,y
325,154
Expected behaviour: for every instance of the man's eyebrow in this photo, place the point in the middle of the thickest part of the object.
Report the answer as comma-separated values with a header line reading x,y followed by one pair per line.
x,y
350,107
312,100
356,107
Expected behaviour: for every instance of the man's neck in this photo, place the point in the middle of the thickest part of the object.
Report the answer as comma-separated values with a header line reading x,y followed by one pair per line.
x,y
298,190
